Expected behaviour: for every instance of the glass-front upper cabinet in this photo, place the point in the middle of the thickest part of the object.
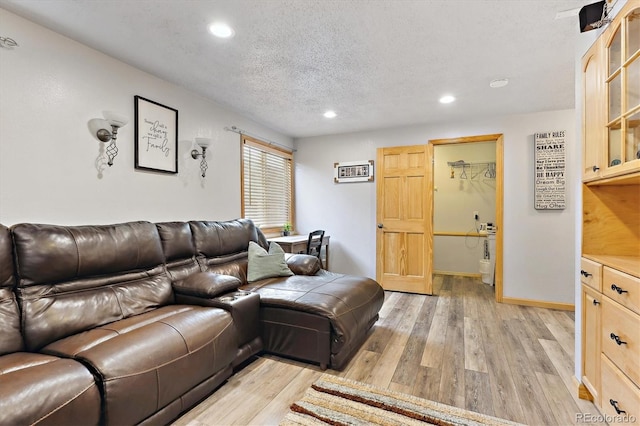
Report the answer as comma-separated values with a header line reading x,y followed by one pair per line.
x,y
632,72
623,95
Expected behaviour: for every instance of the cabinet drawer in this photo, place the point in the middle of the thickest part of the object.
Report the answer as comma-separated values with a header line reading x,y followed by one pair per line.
x,y
621,287
591,273
618,391
621,338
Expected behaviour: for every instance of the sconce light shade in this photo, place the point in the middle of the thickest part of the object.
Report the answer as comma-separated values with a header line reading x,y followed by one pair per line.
x,y
204,144
115,120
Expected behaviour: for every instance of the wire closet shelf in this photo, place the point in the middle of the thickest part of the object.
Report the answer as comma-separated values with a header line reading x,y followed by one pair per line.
x,y
473,170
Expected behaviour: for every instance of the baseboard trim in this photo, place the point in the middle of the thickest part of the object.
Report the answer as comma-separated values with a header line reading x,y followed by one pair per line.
x,y
581,390
459,274
539,303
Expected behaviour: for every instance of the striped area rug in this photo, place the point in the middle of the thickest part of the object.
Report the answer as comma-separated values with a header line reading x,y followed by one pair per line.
x,y
337,401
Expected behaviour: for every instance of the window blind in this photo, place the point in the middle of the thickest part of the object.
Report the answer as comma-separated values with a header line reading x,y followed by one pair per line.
x,y
267,185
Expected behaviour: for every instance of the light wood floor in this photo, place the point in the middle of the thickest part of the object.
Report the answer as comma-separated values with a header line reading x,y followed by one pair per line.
x,y
460,348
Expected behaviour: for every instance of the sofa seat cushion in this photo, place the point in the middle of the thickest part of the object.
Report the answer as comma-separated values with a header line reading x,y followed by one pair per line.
x,y
149,360
349,302
43,389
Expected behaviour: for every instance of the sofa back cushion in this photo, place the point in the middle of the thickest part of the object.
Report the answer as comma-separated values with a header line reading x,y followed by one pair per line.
x,y
179,249
74,278
10,337
222,247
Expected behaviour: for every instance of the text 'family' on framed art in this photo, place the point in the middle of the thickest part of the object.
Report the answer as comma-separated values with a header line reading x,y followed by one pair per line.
x,y
156,136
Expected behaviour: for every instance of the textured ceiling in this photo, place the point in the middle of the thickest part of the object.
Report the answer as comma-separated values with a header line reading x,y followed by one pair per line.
x,y
377,63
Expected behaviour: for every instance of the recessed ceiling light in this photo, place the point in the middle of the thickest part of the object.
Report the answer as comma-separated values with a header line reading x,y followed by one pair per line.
x,y
222,30
499,82
447,99
330,114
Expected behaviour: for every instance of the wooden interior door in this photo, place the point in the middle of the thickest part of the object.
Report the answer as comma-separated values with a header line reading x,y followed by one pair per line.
x,y
404,217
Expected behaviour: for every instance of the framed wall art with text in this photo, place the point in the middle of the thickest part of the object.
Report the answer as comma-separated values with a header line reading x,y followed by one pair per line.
x,y
156,136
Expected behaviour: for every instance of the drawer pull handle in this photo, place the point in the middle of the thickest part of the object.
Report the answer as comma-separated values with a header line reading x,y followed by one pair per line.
x,y
585,273
595,168
618,289
595,302
617,339
615,405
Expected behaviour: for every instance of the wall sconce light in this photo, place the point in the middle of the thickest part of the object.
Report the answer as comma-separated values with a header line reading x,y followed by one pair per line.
x,y
116,121
204,144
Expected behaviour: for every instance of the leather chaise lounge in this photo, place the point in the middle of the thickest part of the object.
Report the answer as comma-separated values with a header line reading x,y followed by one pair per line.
x,y
137,322
313,315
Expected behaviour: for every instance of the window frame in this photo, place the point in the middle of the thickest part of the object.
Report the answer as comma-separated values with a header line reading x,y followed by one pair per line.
x,y
269,148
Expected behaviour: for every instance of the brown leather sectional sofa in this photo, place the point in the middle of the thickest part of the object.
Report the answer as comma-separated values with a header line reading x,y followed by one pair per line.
x,y
137,322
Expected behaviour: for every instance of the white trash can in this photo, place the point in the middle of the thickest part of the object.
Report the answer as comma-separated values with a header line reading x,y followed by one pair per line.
x,y
485,270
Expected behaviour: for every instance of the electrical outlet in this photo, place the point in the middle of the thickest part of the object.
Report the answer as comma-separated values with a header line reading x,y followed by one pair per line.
x,y
475,215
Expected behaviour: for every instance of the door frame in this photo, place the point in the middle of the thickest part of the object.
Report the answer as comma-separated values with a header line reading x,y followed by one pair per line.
x,y
498,138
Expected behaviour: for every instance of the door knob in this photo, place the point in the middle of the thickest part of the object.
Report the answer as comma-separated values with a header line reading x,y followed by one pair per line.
x,y
380,225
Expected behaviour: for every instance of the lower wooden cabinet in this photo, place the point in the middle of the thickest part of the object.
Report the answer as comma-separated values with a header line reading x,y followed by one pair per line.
x,y
611,340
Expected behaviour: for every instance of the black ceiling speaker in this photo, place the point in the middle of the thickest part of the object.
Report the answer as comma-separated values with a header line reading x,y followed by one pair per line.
x,y
593,16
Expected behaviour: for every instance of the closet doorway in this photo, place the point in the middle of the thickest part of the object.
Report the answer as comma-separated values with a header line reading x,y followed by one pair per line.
x,y
467,178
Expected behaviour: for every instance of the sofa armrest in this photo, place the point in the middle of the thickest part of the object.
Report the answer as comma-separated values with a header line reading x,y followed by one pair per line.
x,y
303,264
206,285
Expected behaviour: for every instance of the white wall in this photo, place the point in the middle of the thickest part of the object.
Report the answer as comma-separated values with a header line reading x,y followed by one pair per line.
x,y
539,246
50,87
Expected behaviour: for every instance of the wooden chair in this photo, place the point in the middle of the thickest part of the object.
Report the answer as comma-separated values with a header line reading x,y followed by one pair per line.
x,y
314,245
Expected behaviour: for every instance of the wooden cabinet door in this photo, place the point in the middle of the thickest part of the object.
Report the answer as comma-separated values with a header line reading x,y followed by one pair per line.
x,y
404,215
591,331
593,125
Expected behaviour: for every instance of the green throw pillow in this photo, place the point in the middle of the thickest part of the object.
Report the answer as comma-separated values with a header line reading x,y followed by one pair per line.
x,y
266,265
